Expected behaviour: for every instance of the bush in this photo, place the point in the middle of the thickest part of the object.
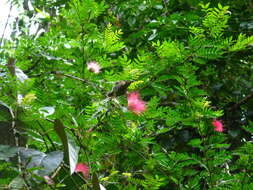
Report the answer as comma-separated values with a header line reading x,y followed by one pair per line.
x,y
126,95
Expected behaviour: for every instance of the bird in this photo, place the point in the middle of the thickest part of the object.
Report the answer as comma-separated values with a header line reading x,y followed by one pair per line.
x,y
119,89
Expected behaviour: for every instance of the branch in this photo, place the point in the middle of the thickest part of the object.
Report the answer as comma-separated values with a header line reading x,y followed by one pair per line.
x,y
243,101
75,78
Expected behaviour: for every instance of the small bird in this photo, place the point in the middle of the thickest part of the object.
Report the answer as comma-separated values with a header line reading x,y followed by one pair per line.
x,y
119,89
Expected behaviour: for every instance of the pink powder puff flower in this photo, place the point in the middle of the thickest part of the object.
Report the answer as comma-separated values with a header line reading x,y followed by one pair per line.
x,y
93,66
48,180
135,104
80,167
218,125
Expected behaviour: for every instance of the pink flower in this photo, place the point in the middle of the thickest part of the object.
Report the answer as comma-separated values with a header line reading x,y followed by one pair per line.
x,y
218,125
48,180
93,66
135,104
80,167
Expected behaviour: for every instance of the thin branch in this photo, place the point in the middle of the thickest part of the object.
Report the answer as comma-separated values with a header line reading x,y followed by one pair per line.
x,y
79,79
76,78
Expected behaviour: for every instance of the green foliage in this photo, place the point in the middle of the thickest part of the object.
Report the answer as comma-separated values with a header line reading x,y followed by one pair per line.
x,y
216,19
111,40
180,57
242,42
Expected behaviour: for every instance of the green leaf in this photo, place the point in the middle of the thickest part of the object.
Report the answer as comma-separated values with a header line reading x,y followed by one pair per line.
x,y
6,113
221,146
17,183
59,128
70,148
241,42
47,162
7,152
195,143
249,128
50,162
46,111
159,7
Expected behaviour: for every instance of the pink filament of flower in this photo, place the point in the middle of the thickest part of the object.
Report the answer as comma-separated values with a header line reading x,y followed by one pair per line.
x,y
218,125
93,67
135,104
48,180
80,167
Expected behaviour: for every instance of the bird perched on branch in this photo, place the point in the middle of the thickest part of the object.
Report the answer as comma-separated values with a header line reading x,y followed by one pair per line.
x,y
119,89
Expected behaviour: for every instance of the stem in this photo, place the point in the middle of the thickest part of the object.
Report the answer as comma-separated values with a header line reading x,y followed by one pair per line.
x,y
48,137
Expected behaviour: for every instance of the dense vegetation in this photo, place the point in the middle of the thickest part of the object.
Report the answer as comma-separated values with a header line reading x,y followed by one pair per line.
x,y
127,95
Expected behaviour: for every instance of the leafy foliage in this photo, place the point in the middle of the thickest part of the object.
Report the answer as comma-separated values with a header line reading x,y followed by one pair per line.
x,y
183,60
